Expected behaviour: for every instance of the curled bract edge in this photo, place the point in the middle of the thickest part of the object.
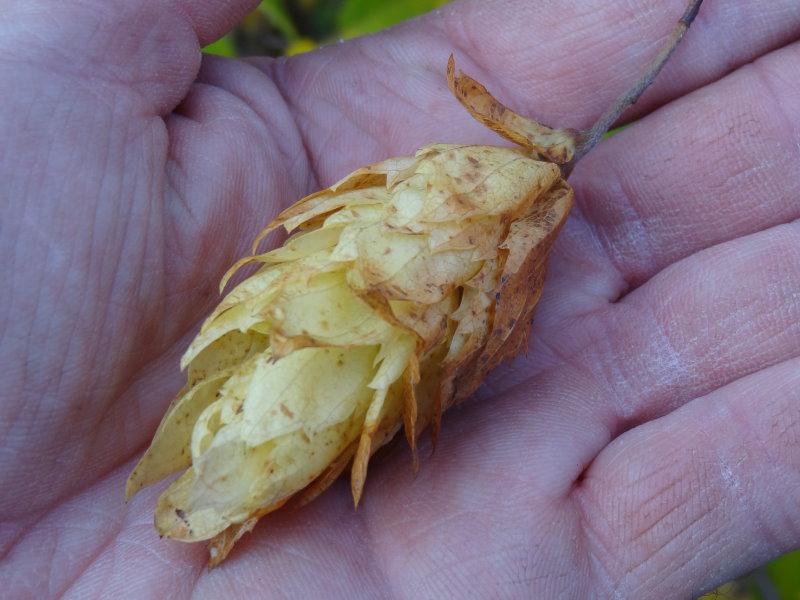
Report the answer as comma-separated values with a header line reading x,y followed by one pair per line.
x,y
400,288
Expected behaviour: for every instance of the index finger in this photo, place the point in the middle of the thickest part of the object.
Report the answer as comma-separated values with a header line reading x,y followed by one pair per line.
x,y
558,61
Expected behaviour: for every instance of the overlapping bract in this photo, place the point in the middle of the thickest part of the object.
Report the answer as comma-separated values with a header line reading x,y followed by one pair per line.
x,y
401,287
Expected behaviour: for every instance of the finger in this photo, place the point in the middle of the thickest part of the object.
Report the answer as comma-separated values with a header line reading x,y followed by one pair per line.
x,y
235,159
211,19
149,51
710,319
103,547
710,167
704,494
560,61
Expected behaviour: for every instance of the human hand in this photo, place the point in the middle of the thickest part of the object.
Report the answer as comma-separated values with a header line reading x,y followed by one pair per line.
x,y
647,446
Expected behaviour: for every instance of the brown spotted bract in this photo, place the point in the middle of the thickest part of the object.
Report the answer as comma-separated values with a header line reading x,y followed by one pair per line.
x,y
398,290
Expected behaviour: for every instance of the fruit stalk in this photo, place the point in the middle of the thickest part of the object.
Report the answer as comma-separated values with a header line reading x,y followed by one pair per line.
x,y
590,138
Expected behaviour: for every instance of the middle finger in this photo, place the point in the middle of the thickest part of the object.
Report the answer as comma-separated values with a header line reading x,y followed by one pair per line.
x,y
716,165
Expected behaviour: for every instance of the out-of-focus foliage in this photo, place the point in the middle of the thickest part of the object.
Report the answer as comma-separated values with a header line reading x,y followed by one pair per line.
x,y
275,12
785,575
358,17
779,580
287,27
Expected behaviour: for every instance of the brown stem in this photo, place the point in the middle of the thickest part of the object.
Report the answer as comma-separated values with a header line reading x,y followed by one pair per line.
x,y
588,139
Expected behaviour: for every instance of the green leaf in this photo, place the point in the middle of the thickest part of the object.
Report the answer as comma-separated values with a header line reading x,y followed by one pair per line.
x,y
222,47
359,17
785,574
275,11
614,132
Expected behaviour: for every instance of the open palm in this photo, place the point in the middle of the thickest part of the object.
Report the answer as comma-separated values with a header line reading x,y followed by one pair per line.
x,y
648,445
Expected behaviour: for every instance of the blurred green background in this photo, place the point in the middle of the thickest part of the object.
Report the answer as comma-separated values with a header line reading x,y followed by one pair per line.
x,y
279,27
287,27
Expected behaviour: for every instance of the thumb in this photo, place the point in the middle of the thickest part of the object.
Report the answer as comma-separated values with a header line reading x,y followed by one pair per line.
x,y
150,48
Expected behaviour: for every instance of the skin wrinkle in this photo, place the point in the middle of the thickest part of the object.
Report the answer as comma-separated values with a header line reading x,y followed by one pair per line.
x,y
175,164
526,580
610,371
621,287
67,354
139,446
745,432
175,170
674,504
118,390
686,560
16,388
677,365
177,235
274,72
110,535
153,215
695,422
22,530
74,333
123,236
652,554
705,511
376,570
409,102
636,236
246,105
573,562
606,429
117,241
73,70
109,546
436,571
596,546
38,304
288,155
777,105
382,139
652,499
25,364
